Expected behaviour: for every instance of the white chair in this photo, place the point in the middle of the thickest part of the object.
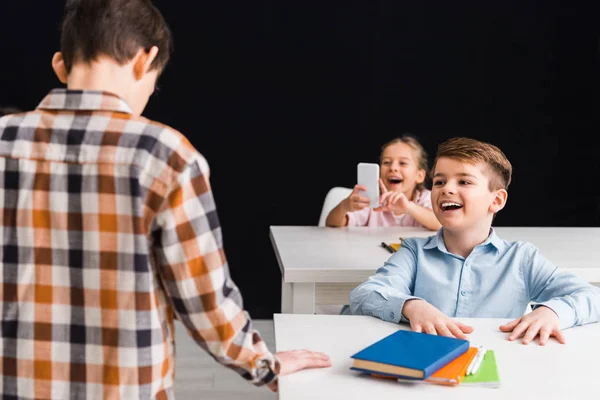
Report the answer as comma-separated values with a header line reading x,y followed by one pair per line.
x,y
333,198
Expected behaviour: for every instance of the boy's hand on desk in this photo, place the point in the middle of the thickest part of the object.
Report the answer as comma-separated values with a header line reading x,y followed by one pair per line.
x,y
295,360
542,321
426,318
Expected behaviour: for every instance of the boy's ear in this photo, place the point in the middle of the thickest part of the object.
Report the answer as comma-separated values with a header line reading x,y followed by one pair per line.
x,y
58,65
499,201
143,61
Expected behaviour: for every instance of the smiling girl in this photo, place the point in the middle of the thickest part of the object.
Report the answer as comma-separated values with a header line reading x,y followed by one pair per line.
x,y
404,200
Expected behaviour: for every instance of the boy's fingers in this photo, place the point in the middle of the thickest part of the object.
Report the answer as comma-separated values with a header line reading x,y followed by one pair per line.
x,y
429,328
510,326
464,328
544,335
417,328
316,361
532,332
456,331
443,330
557,333
518,330
292,361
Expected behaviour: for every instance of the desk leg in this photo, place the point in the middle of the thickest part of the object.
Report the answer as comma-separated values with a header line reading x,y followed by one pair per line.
x,y
286,297
303,298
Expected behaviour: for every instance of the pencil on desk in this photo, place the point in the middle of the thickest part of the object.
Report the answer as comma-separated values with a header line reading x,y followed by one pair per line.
x,y
475,362
478,362
388,247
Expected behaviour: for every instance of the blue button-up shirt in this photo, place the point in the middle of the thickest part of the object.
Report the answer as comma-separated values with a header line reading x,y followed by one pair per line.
x,y
499,279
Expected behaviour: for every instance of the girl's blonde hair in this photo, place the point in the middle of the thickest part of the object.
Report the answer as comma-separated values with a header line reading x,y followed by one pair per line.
x,y
418,150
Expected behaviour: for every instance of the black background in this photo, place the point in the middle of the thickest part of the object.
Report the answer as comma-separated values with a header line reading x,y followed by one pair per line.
x,y
284,98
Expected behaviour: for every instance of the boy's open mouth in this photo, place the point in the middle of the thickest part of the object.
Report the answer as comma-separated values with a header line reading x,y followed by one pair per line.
x,y
394,180
450,205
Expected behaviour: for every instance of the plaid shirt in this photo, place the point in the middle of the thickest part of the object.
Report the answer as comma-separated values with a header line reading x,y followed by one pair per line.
x,y
108,230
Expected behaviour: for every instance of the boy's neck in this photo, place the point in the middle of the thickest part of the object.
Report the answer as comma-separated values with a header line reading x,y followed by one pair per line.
x,y
463,242
105,75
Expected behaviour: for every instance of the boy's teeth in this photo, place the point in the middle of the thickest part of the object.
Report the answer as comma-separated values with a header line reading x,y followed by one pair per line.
x,y
450,204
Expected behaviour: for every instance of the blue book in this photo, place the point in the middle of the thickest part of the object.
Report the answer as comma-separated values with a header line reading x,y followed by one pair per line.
x,y
409,354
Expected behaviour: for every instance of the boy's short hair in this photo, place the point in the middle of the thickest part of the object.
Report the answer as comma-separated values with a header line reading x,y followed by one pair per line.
x,y
474,152
9,110
114,28
420,153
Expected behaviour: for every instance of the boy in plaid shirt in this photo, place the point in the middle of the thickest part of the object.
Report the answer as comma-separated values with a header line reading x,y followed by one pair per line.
x,y
109,229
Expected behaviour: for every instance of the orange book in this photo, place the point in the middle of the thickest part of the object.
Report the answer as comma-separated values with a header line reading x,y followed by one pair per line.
x,y
455,371
451,373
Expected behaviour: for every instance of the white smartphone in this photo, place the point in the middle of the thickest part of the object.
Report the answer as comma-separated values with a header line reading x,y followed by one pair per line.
x,y
368,176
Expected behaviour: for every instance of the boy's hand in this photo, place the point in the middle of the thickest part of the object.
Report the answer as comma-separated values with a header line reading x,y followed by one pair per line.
x,y
355,201
542,321
392,201
426,318
295,360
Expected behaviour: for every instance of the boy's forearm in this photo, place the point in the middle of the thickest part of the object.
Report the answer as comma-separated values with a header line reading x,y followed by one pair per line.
x,y
195,277
571,297
255,362
387,306
578,308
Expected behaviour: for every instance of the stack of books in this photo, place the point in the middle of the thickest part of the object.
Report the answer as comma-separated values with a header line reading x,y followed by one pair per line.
x,y
422,358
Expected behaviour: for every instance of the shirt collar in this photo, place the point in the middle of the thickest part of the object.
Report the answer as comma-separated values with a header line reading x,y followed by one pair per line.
x,y
494,240
437,241
83,100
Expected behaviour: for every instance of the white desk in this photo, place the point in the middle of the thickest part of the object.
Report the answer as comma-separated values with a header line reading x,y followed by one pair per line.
x,y
553,371
322,265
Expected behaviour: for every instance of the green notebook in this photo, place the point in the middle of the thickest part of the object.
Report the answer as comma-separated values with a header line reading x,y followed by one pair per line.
x,y
487,375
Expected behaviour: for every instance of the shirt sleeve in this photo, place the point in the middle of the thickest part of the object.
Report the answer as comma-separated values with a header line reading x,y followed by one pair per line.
x,y
575,301
383,294
192,264
359,218
425,199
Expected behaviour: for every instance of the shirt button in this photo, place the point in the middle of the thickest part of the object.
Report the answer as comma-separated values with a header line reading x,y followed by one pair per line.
x,y
463,293
392,315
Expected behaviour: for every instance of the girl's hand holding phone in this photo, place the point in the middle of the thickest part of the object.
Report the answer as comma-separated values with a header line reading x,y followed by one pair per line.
x,y
355,201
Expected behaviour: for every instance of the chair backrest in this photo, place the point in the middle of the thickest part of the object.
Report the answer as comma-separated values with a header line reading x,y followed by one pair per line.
x,y
333,198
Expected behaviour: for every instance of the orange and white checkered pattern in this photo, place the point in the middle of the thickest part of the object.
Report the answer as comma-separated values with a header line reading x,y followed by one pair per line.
x,y
108,229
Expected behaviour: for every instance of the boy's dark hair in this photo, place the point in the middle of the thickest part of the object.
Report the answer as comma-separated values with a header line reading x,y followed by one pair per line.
x,y
115,28
9,110
475,151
